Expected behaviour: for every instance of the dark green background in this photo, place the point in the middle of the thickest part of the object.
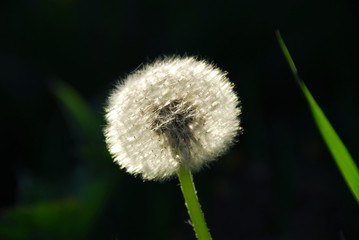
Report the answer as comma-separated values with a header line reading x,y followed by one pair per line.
x,y
277,182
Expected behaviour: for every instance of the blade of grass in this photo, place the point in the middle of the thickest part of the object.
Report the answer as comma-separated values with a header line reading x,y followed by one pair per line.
x,y
84,124
340,153
74,104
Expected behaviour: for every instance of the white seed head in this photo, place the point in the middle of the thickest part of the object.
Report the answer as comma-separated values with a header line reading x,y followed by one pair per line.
x,y
172,112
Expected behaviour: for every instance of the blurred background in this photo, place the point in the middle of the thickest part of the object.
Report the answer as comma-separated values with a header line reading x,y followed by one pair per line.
x,y
59,59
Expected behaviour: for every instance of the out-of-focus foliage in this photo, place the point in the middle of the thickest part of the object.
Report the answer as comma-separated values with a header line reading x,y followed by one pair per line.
x,y
70,218
75,215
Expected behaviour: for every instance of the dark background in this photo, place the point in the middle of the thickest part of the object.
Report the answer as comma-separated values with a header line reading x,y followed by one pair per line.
x,y
278,182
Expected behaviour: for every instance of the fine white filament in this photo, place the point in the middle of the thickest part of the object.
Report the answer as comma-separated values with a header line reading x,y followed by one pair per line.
x,y
171,112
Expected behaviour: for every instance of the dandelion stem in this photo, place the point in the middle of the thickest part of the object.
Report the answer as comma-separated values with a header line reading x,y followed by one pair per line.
x,y
193,206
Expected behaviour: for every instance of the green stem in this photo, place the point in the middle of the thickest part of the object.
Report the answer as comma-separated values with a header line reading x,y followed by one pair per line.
x,y
193,206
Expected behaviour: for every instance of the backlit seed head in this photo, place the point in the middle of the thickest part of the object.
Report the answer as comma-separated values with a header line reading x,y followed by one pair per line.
x,y
171,112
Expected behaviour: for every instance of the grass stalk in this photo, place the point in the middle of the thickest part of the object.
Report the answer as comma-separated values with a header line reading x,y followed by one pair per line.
x,y
340,153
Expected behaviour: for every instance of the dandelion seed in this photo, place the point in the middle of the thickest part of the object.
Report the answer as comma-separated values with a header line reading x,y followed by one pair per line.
x,y
175,111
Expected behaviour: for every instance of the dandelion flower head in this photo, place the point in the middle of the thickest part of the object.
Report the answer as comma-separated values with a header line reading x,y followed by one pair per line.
x,y
171,112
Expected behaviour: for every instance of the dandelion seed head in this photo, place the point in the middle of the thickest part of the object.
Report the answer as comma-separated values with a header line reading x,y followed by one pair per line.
x,y
171,112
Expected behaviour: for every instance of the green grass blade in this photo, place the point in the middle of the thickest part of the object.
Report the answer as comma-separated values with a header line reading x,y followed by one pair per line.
x,y
84,124
341,155
74,104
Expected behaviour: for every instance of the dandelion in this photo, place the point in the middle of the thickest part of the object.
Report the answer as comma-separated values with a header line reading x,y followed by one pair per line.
x,y
174,112
173,117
